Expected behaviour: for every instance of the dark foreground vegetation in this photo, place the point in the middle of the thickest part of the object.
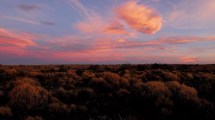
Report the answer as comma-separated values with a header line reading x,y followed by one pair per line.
x,y
107,92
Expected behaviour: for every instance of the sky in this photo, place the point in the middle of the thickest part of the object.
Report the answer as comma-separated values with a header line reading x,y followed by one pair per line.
x,y
107,31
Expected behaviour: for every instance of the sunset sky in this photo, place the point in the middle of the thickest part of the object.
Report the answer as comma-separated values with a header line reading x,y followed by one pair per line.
x,y
107,31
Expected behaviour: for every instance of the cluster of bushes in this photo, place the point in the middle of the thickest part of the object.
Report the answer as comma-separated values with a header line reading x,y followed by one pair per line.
x,y
107,92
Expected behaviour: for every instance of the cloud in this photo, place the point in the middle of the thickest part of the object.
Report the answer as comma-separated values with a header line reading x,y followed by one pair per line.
x,y
100,26
91,26
189,59
70,43
183,40
159,43
16,44
76,4
91,22
78,49
13,39
47,23
115,28
94,23
29,21
28,7
140,17
81,43
188,14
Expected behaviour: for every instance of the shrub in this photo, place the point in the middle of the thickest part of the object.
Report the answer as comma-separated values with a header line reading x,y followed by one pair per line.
x,y
123,92
164,75
1,94
99,84
86,93
138,87
88,74
73,107
156,89
26,80
33,118
124,83
5,111
58,107
182,91
26,96
72,74
112,78
82,108
11,72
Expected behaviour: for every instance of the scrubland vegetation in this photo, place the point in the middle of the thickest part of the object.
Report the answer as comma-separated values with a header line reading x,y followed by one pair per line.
x,y
107,92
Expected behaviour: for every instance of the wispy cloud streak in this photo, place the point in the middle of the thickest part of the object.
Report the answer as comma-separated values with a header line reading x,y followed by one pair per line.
x,y
9,38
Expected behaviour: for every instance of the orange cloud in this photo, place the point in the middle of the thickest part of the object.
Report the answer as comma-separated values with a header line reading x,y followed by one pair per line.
x,y
9,38
140,17
188,59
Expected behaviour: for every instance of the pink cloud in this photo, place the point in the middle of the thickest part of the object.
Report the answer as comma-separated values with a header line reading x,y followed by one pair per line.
x,y
10,38
97,53
16,43
77,49
99,26
91,25
69,43
163,41
189,59
140,17
95,23
116,28
98,50
14,50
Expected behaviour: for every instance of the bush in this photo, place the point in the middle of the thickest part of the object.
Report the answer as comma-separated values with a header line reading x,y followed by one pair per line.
x,y
33,118
124,83
123,92
86,93
99,84
156,89
182,91
59,108
138,87
5,112
111,77
88,74
26,96
26,80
